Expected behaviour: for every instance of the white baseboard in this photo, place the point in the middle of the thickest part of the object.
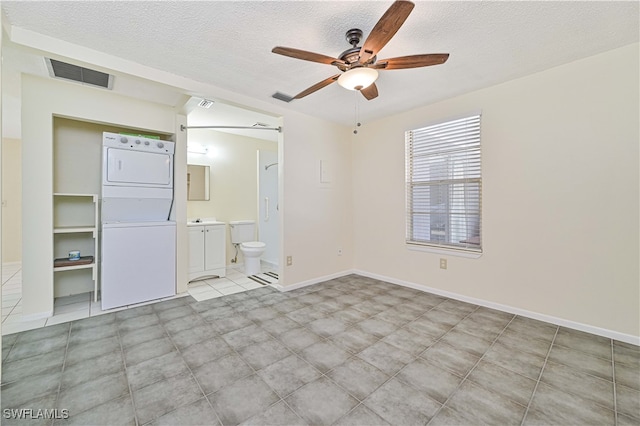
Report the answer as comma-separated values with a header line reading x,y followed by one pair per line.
x,y
628,338
268,264
312,281
37,316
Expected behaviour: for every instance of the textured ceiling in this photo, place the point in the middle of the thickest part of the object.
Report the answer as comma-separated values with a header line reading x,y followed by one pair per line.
x,y
228,44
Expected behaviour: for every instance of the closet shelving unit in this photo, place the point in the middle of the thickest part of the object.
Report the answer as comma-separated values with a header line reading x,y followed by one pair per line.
x,y
75,227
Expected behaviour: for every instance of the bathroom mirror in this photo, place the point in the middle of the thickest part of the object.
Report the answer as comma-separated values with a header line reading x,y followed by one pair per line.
x,y
197,183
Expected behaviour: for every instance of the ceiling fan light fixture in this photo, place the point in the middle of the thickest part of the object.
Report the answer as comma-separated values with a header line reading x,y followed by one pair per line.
x,y
358,78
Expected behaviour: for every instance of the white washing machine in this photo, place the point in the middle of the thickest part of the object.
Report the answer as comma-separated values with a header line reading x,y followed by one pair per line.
x,y
138,262
138,256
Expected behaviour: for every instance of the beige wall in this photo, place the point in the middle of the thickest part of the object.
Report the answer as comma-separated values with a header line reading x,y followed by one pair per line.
x,y
560,195
233,183
11,200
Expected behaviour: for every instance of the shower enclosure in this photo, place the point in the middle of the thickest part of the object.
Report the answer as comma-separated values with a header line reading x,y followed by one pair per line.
x,y
268,219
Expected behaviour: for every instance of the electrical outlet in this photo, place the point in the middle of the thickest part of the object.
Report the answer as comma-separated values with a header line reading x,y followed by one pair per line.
x,y
339,252
443,263
289,260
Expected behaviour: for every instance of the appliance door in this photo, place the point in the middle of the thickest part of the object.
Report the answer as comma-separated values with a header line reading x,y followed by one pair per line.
x,y
138,262
136,168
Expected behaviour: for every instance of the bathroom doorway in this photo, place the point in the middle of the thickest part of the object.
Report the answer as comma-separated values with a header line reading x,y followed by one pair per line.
x,y
236,145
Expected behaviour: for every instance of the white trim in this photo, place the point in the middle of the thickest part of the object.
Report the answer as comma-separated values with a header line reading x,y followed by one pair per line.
x,y
312,281
36,316
443,251
268,264
627,338
445,119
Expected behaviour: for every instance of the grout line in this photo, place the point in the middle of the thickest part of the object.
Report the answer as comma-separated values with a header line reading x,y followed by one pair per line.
x,y
126,376
535,388
12,275
613,378
464,379
64,364
9,353
11,310
193,376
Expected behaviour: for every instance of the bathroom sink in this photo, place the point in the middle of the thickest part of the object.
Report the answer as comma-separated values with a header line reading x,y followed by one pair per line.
x,y
204,221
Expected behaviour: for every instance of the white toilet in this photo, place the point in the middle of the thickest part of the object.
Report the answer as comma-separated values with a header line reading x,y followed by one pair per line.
x,y
243,233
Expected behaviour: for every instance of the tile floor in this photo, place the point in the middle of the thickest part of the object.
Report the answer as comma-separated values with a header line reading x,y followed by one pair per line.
x,y
11,290
349,351
80,306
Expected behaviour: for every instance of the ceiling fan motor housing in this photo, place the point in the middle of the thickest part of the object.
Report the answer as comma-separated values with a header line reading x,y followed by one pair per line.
x,y
354,36
352,56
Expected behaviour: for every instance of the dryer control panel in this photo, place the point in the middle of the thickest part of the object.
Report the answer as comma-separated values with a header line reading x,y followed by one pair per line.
x,y
137,143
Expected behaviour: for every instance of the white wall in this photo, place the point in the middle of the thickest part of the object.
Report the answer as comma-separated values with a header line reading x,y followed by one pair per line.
x,y
233,183
42,99
560,156
316,217
11,200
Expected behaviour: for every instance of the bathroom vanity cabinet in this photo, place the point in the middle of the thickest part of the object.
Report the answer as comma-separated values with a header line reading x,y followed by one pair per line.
x,y
75,227
207,257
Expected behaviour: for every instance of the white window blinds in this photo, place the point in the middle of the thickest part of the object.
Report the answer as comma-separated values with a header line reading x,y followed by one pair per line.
x,y
444,185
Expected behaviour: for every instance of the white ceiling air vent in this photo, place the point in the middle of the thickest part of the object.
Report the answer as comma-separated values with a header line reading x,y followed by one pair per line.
x,y
205,103
72,72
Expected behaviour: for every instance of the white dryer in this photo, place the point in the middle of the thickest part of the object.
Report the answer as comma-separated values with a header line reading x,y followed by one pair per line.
x,y
137,178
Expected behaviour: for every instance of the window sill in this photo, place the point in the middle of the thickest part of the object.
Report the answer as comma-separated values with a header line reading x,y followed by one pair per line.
x,y
444,251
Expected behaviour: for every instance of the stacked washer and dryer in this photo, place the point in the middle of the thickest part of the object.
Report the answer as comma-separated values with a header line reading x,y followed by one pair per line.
x,y
138,245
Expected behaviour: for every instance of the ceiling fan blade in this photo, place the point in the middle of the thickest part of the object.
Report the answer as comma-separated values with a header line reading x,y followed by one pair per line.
x,y
306,56
412,61
385,29
317,86
370,92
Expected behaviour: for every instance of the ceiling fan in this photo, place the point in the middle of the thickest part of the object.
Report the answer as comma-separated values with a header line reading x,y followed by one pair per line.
x,y
359,65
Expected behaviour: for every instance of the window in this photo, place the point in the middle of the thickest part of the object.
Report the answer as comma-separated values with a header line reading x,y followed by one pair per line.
x,y
444,185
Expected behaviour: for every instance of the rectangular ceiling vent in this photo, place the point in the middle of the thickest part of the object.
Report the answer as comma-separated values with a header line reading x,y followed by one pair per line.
x,y
282,97
72,72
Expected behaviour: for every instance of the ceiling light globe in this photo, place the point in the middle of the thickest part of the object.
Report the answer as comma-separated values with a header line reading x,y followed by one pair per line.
x,y
358,78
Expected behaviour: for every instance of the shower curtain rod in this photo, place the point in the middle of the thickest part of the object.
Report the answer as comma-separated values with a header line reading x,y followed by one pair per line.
x,y
183,127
